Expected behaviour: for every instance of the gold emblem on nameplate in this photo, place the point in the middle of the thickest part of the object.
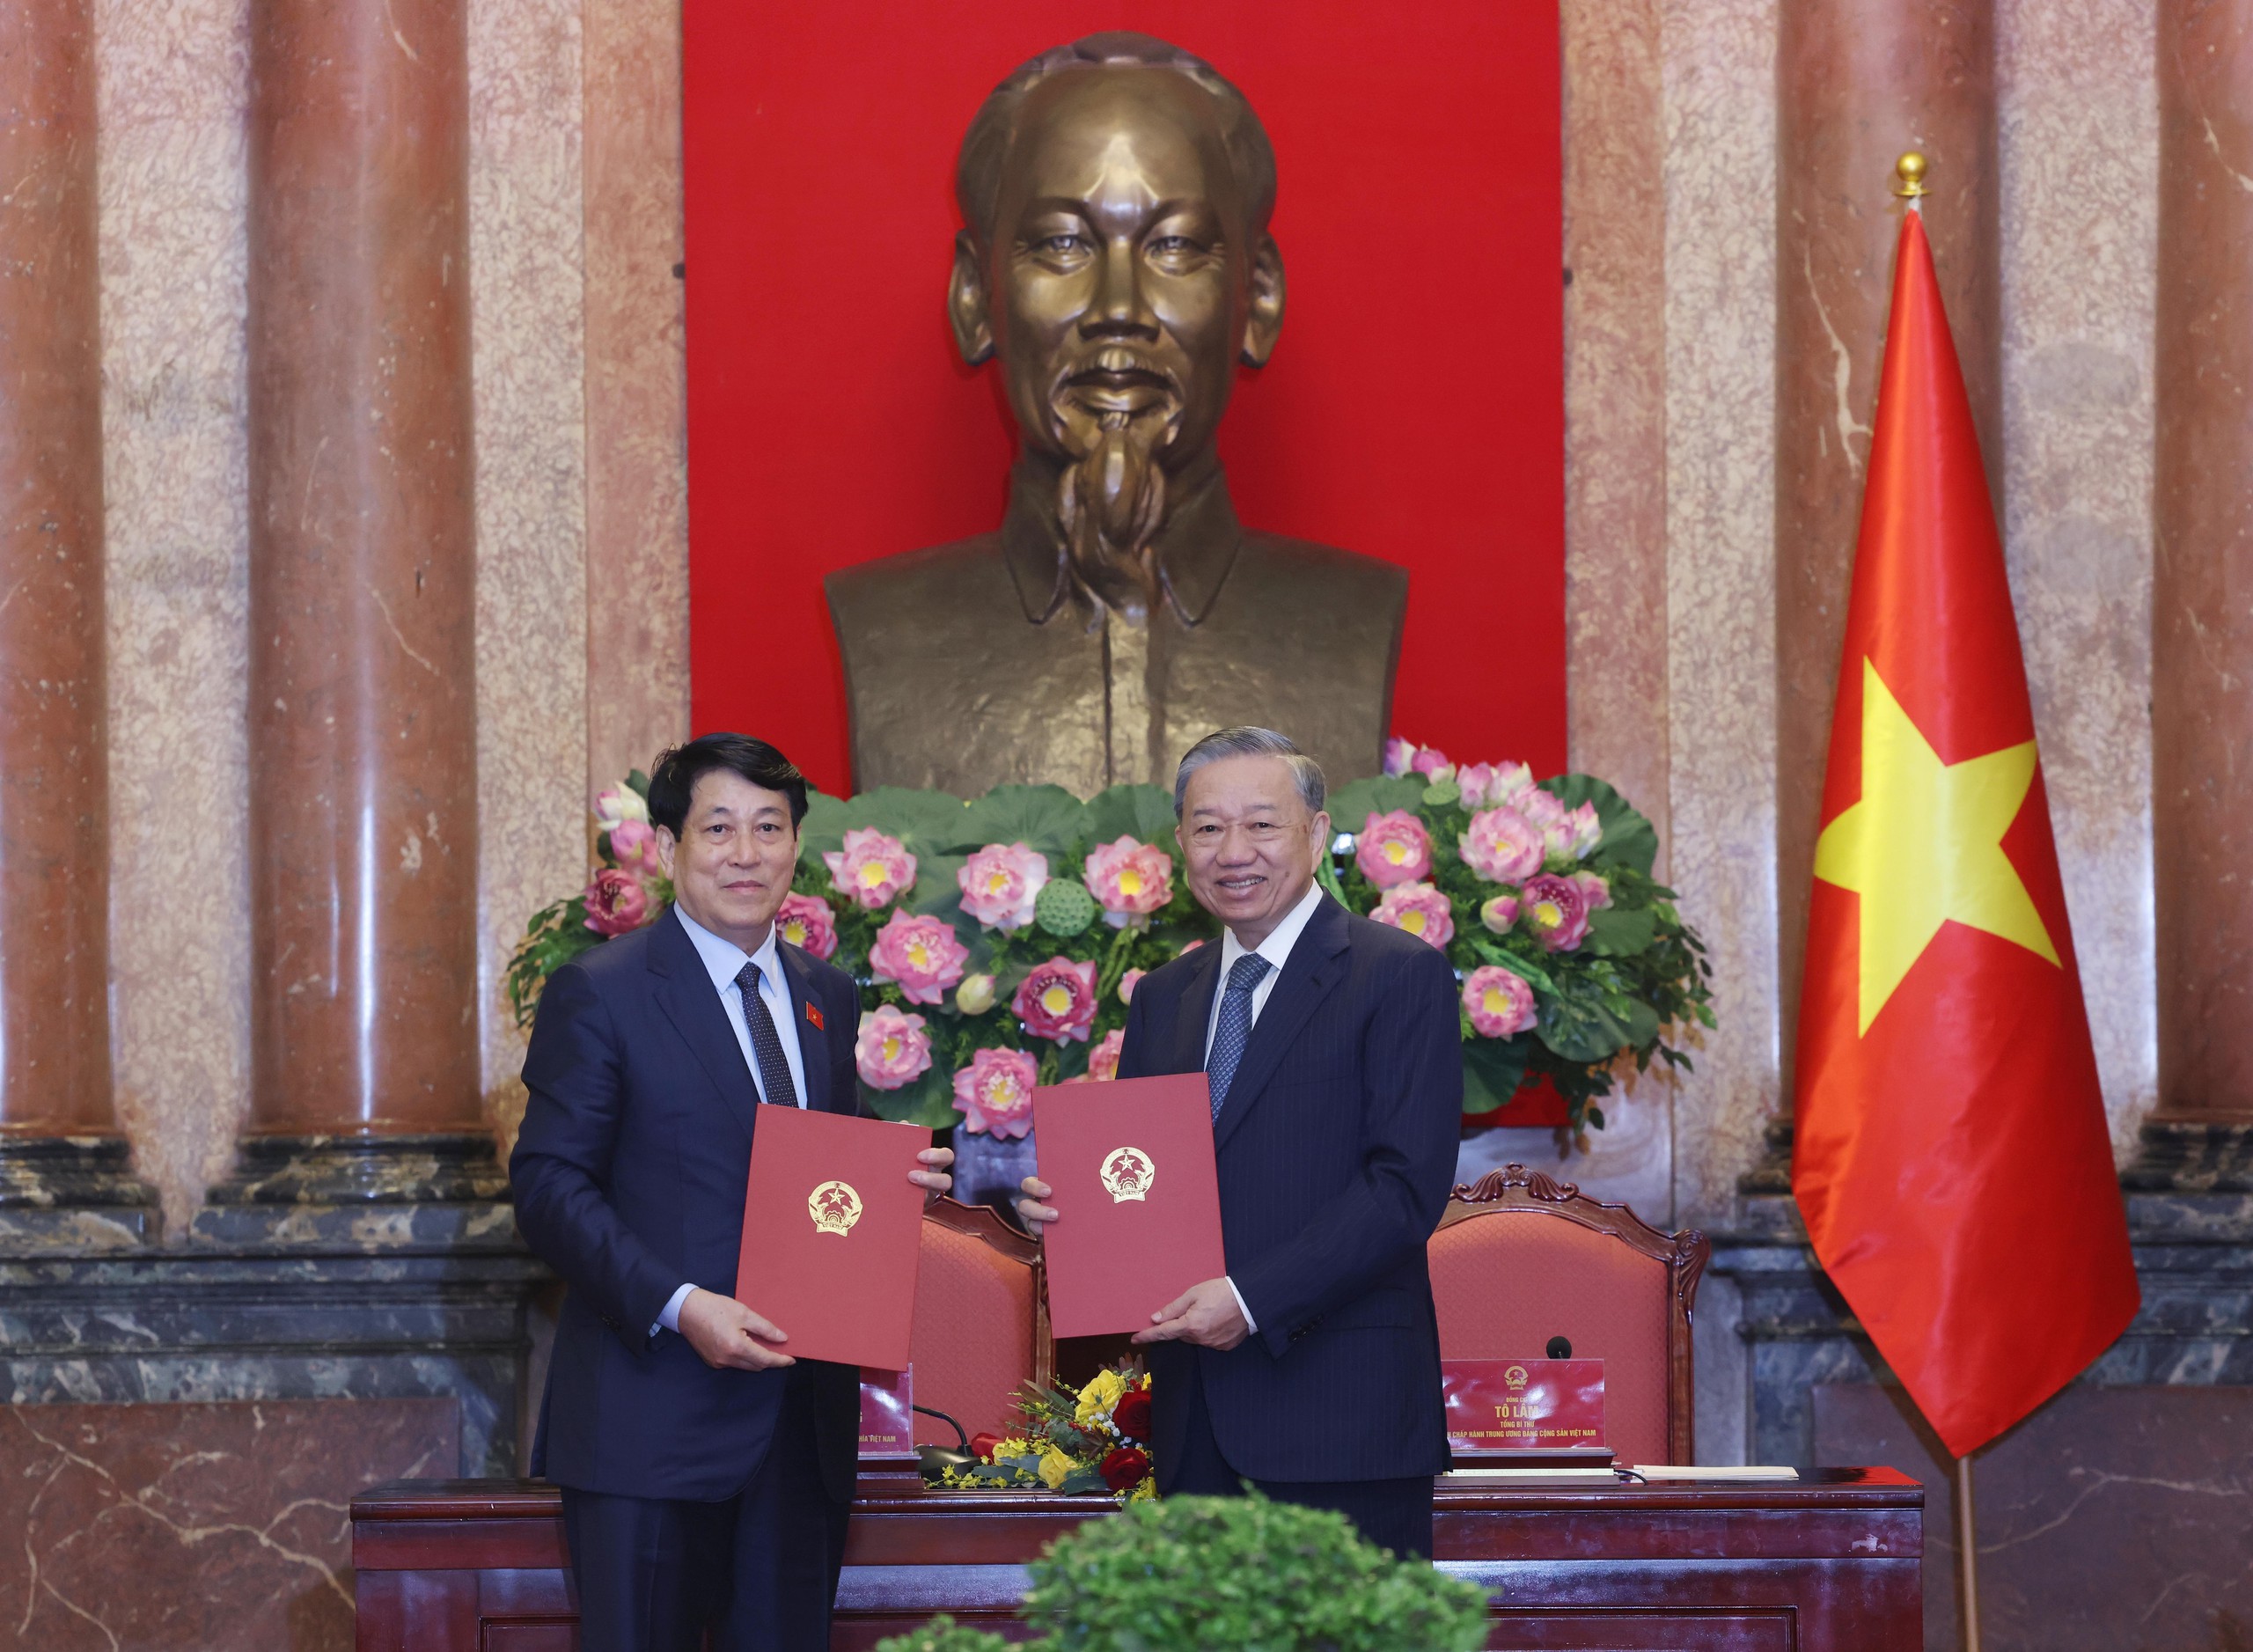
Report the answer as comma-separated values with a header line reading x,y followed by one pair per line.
x,y
1514,1379
835,1208
1127,1174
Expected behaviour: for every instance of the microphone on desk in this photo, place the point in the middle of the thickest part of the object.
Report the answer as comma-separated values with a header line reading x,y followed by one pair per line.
x,y
1559,1348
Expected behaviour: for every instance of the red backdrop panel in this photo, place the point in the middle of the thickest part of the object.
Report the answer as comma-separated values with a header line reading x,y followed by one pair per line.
x,y
1414,409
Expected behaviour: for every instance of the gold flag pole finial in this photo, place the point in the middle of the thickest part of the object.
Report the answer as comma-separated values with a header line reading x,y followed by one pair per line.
x,y
1910,169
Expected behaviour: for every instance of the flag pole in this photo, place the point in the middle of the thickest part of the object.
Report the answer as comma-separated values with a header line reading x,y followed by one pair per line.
x,y
1911,170
1967,1553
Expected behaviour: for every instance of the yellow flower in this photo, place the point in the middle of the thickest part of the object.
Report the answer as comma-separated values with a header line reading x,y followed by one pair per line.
x,y
1099,1396
1054,1466
1146,1492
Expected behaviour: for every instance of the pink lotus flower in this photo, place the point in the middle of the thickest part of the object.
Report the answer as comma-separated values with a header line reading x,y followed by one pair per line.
x,y
617,902
1397,754
1394,849
1566,831
1431,763
1584,831
921,953
1502,845
1129,880
634,846
806,921
1484,785
1556,912
1500,914
1127,982
1102,1061
892,1050
614,805
1594,890
1419,908
1058,1000
1001,883
873,871
1498,1001
994,1092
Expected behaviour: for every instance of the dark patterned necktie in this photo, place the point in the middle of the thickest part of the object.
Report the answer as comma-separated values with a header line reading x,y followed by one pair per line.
x,y
765,1042
1234,1029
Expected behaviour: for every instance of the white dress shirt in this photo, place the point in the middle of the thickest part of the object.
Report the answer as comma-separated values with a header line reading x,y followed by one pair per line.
x,y
724,961
1276,948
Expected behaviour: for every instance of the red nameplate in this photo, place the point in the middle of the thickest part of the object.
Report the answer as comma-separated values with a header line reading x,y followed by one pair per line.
x,y
1516,1405
887,1415
1137,1199
831,1233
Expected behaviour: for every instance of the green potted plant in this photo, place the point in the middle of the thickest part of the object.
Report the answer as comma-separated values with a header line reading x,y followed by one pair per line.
x,y
1185,1574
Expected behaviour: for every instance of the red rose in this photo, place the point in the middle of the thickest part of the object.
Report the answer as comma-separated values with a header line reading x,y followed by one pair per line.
x,y
1131,1416
981,1446
1126,1468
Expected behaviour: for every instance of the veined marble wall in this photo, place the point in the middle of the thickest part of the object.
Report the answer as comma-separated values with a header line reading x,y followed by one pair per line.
x,y
1670,195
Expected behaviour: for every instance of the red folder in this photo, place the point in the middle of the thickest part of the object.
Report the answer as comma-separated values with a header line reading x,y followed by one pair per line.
x,y
1137,1199
832,1233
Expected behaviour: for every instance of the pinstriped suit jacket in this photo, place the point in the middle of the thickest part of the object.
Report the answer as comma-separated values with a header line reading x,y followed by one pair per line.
x,y
1336,1148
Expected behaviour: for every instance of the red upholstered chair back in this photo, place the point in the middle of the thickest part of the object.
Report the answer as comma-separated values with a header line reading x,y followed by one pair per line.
x,y
981,1321
1520,1258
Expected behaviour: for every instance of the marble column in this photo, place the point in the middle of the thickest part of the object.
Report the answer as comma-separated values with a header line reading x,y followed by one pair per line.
x,y
1858,81
2202,601
62,1160
362,705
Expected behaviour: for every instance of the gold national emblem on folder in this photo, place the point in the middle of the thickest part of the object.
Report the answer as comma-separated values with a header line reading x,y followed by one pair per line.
x,y
835,1208
1514,1379
1127,1174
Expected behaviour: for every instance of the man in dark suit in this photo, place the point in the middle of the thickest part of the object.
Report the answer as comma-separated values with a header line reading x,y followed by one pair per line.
x,y
1333,1048
706,1474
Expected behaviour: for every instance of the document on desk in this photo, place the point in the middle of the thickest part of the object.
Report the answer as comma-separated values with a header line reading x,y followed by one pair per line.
x,y
1722,1471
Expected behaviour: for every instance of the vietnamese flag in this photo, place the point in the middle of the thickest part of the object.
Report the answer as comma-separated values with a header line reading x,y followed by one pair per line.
x,y
1951,1157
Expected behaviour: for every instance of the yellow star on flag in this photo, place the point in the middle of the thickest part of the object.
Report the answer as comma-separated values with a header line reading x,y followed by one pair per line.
x,y
1924,845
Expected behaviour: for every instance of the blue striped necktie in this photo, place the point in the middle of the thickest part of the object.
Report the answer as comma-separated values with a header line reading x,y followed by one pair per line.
x,y
1234,1029
773,1066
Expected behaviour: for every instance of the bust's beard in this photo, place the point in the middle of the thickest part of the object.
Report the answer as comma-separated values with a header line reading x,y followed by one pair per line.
x,y
1111,499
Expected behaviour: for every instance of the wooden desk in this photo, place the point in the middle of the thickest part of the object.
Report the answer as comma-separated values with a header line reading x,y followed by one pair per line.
x,y
1831,1564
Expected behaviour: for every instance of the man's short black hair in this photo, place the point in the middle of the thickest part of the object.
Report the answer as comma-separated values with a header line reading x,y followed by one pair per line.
x,y
673,781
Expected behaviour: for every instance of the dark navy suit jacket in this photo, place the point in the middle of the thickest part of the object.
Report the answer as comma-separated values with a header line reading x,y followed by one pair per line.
x,y
1336,1149
629,1175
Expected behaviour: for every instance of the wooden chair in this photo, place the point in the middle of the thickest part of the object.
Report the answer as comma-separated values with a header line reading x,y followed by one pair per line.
x,y
1521,1258
981,1321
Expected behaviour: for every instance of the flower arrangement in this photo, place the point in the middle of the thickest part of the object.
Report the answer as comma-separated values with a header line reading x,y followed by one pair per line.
x,y
998,942
1097,1440
629,888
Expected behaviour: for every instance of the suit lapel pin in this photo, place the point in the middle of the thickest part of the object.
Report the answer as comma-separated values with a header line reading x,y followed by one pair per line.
x,y
814,1015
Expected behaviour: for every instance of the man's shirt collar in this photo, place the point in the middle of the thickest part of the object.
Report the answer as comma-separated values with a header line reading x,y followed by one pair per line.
x,y
1276,948
723,959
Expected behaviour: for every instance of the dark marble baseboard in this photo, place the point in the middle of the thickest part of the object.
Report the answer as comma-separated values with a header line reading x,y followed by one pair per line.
x,y
73,1193
392,1317
2192,1156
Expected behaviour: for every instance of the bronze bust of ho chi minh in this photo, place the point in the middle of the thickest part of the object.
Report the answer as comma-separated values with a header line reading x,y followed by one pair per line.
x,y
1118,264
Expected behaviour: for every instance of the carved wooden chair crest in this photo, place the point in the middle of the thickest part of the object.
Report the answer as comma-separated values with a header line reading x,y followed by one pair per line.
x,y
1521,1258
